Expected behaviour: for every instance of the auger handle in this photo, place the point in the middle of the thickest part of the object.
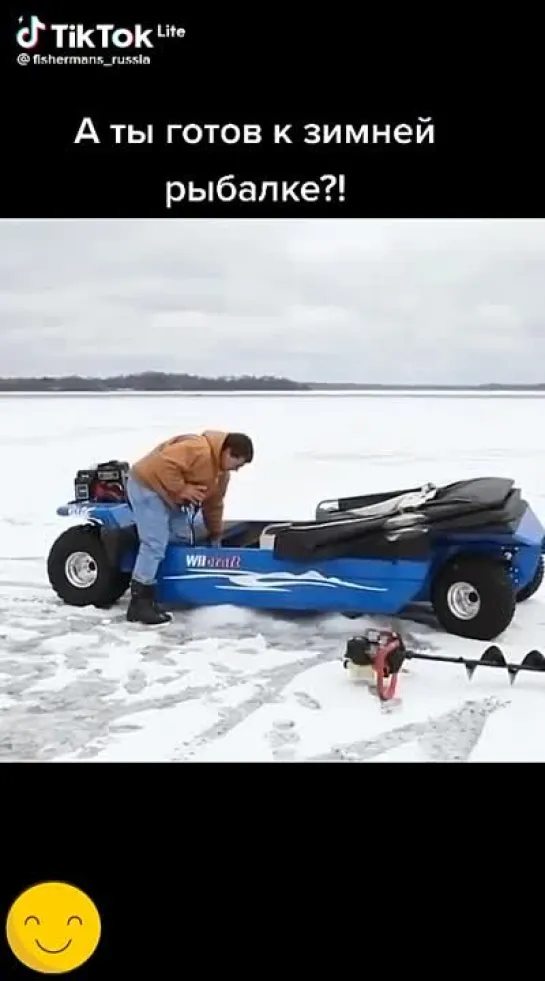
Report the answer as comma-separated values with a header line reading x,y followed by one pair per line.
x,y
386,691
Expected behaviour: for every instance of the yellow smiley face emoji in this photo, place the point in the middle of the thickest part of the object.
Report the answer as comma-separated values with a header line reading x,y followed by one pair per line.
x,y
53,928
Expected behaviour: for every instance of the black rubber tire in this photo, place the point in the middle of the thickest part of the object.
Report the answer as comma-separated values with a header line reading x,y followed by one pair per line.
x,y
110,584
120,584
534,584
491,581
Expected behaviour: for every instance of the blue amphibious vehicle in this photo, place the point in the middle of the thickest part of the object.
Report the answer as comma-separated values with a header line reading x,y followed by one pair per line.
x,y
470,549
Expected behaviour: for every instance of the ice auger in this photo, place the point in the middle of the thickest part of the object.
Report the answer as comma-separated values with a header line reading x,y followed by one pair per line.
x,y
382,653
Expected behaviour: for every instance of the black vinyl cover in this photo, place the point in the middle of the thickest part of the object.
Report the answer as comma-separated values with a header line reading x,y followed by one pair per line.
x,y
492,504
486,490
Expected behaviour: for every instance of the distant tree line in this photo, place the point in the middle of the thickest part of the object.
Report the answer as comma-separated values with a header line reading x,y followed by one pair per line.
x,y
152,381
161,381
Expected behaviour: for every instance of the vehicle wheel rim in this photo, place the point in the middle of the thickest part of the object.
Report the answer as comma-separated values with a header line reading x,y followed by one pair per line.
x,y
81,570
463,601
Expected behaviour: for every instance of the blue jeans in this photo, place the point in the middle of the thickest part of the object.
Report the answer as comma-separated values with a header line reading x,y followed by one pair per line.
x,y
157,525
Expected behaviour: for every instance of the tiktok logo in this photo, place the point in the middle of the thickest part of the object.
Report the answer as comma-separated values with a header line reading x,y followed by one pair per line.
x,y
27,37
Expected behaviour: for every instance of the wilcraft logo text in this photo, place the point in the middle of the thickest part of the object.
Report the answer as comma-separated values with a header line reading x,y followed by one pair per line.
x,y
213,561
102,36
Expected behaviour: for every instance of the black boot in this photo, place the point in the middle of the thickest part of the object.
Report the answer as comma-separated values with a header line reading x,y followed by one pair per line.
x,y
143,608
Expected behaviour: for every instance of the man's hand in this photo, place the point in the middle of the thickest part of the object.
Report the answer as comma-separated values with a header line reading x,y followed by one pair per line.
x,y
214,542
195,493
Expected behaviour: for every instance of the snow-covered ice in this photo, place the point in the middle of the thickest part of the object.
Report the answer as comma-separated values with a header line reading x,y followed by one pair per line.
x,y
227,684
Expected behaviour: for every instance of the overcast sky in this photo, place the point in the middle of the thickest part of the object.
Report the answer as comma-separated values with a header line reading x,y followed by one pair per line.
x,y
400,301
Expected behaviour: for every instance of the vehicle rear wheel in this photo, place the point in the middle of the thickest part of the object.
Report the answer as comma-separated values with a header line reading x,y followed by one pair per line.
x,y
534,584
474,597
79,571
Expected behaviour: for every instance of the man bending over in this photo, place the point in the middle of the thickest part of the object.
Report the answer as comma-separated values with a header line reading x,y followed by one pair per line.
x,y
184,470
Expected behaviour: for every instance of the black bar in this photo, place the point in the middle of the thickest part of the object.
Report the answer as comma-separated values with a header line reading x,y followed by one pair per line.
x,y
484,160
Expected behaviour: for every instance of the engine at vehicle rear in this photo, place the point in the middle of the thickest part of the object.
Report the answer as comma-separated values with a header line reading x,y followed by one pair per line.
x,y
102,483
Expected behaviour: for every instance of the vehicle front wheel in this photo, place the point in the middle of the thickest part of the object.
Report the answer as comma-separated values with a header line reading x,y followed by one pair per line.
x,y
79,571
474,597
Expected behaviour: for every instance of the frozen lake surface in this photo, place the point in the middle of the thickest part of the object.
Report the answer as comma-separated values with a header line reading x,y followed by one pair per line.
x,y
228,685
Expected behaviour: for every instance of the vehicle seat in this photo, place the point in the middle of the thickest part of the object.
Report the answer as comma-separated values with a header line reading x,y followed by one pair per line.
x,y
267,537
